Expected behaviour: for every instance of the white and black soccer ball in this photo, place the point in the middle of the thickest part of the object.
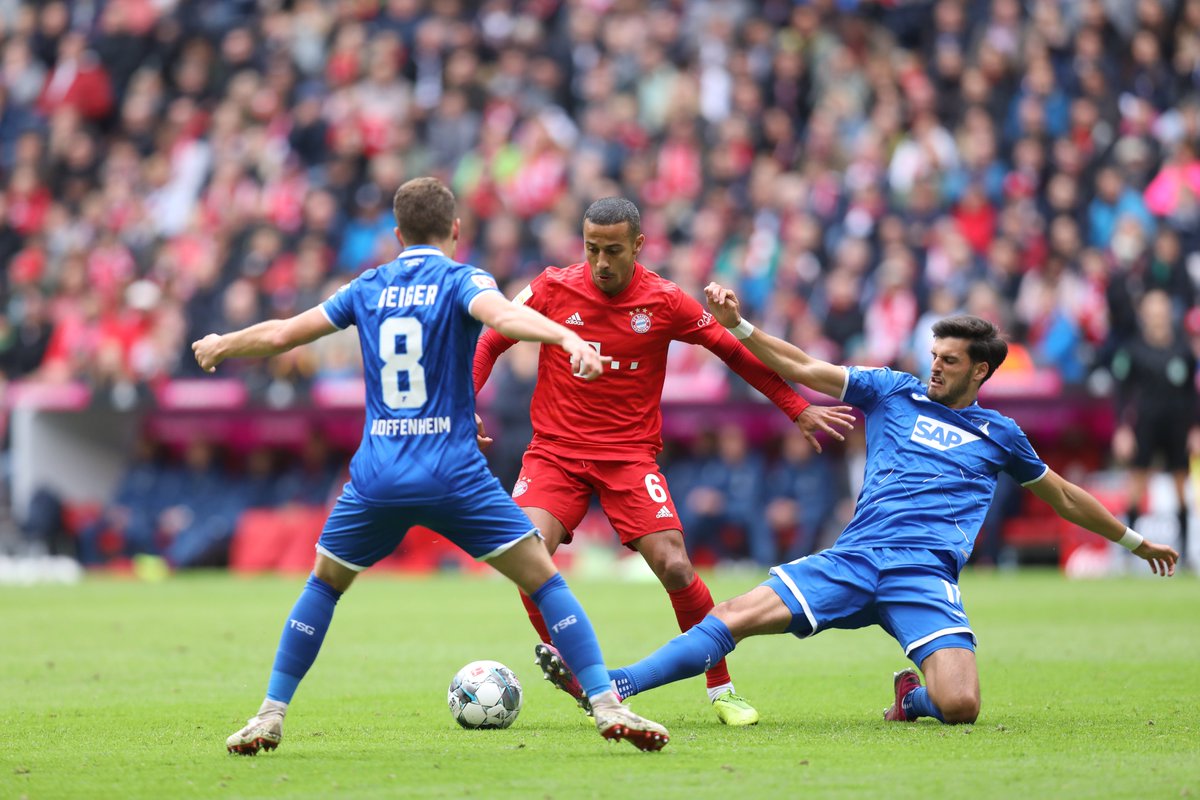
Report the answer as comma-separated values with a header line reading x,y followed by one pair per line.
x,y
485,694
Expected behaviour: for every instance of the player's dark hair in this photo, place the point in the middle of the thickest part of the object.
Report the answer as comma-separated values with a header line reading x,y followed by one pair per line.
x,y
424,209
614,211
985,344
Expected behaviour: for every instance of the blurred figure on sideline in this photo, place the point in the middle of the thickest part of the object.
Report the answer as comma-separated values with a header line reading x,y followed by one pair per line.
x,y
1157,408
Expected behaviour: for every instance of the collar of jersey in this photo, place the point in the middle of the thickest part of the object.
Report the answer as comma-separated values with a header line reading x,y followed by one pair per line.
x,y
638,272
422,250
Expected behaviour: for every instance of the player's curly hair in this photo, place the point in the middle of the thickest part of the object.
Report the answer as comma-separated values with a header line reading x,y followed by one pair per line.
x,y
424,210
614,211
984,339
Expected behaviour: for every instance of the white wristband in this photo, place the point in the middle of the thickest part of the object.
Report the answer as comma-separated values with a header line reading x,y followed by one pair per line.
x,y
1131,540
742,330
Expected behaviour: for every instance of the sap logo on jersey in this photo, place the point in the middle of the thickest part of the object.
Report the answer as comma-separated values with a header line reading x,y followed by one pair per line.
x,y
940,435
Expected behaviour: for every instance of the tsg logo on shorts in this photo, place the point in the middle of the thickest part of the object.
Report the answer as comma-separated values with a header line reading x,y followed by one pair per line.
x,y
939,435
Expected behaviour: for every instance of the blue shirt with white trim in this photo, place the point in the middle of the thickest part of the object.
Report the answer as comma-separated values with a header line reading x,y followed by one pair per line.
x,y
931,470
418,346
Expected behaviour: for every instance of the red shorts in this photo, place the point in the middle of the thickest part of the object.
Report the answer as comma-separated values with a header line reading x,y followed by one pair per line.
x,y
633,493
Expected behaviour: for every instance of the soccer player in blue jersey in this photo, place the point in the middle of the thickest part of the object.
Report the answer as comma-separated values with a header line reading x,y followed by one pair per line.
x,y
419,463
933,454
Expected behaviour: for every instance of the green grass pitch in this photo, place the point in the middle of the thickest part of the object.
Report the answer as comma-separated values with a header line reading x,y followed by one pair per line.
x,y
115,688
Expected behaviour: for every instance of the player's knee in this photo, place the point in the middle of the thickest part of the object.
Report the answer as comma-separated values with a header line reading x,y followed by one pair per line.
x,y
675,572
959,707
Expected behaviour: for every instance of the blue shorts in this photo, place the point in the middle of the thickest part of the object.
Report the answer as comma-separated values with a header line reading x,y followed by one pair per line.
x,y
484,523
912,594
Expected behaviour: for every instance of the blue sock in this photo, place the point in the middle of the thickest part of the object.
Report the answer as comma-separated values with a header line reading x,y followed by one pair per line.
x,y
572,634
918,704
686,655
302,637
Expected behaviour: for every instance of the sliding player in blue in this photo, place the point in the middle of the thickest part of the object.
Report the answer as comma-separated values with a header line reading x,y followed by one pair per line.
x,y
419,463
933,454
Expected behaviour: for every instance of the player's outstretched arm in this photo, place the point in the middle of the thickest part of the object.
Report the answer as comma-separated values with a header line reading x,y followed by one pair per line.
x,y
269,338
785,358
1075,505
520,322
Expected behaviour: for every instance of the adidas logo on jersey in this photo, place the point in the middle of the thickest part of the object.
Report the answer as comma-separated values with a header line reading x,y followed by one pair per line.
x,y
940,435
663,513
574,319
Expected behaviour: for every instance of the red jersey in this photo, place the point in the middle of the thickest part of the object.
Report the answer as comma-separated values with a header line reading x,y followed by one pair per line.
x,y
618,415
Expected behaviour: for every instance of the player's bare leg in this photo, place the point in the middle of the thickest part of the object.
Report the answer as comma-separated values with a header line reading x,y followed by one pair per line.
x,y
952,679
264,730
665,553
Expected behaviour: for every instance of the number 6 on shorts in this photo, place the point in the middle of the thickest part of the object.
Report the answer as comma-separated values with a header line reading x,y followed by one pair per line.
x,y
654,488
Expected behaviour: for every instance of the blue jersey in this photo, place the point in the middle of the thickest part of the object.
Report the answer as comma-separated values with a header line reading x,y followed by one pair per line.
x,y
931,470
418,346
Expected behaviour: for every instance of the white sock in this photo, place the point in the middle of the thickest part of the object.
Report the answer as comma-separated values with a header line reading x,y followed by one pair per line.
x,y
716,691
273,707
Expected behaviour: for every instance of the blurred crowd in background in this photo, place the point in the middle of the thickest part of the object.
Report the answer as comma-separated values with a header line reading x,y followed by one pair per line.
x,y
854,169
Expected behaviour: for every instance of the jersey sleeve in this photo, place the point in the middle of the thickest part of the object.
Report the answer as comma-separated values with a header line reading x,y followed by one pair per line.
x,y
866,386
1023,463
693,323
473,283
492,344
340,307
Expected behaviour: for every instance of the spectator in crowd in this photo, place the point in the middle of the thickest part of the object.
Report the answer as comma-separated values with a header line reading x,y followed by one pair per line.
x,y
197,522
771,131
846,167
801,494
127,525
722,511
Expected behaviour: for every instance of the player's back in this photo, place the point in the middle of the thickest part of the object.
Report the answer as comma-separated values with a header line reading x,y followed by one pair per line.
x,y
417,343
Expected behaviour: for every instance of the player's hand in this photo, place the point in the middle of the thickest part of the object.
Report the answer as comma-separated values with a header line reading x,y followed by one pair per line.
x,y
207,352
586,361
1162,559
481,438
723,304
1193,441
825,418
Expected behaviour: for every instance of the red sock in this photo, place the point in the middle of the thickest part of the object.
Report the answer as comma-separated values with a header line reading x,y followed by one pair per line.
x,y
535,617
691,604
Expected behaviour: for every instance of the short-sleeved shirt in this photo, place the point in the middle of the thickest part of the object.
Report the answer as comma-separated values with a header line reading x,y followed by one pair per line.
x,y
418,343
930,470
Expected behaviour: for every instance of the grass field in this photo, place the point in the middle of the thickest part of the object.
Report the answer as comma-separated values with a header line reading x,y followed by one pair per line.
x,y
114,688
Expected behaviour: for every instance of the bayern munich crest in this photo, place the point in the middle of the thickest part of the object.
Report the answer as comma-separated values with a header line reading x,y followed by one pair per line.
x,y
639,320
521,488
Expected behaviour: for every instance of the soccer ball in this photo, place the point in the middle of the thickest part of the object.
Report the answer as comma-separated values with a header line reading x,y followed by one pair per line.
x,y
484,694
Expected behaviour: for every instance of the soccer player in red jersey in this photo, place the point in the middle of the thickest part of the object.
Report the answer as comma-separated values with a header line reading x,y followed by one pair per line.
x,y
602,437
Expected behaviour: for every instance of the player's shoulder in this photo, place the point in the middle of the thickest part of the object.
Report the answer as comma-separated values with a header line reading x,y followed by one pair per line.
x,y
993,423
561,276
653,282
888,379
